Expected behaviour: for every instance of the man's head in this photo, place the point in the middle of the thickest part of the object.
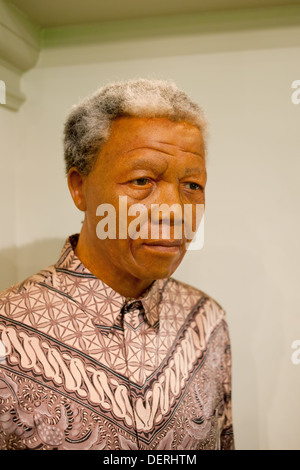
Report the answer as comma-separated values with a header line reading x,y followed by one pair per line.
x,y
89,124
142,140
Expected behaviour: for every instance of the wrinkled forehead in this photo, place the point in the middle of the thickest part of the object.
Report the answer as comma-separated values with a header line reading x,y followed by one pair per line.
x,y
129,133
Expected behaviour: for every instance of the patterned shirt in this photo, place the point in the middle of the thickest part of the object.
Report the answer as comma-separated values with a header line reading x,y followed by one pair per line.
x,y
82,367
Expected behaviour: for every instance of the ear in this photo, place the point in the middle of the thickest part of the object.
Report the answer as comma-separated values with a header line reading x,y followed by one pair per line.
x,y
75,183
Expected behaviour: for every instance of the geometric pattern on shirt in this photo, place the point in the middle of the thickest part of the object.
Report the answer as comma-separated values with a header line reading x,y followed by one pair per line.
x,y
66,311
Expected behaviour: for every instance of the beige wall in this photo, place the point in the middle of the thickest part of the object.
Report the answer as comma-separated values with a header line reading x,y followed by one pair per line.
x,y
250,261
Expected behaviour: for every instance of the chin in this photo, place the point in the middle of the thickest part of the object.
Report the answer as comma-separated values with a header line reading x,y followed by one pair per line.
x,y
157,272
156,266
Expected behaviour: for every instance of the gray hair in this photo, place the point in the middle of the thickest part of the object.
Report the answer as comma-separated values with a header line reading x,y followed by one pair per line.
x,y
88,125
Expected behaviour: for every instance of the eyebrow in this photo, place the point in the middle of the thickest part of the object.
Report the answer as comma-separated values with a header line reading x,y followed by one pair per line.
x,y
193,171
143,163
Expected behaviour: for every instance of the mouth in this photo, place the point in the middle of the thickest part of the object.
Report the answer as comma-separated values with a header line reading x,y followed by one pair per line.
x,y
165,246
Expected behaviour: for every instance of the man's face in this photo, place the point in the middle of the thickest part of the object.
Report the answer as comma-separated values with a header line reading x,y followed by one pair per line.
x,y
150,161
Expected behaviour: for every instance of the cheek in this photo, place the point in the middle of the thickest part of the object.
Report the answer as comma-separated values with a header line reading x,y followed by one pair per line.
x,y
103,208
100,188
116,252
193,214
122,250
94,200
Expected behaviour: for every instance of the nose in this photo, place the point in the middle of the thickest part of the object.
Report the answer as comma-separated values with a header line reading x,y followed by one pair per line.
x,y
170,203
167,213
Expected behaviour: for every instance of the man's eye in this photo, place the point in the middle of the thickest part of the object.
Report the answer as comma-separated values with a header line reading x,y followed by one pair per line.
x,y
193,186
141,181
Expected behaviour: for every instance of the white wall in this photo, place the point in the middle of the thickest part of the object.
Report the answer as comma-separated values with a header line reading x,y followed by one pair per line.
x,y
250,260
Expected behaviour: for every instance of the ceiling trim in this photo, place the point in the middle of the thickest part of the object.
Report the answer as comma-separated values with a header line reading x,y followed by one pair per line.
x,y
22,40
208,22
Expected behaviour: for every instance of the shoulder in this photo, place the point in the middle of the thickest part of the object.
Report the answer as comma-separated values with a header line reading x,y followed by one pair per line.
x,y
204,316
199,305
191,293
21,296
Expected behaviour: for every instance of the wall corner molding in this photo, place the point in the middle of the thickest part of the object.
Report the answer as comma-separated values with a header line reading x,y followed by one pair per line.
x,y
19,51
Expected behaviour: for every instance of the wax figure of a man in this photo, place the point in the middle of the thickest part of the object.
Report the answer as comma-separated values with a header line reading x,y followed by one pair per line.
x,y
104,349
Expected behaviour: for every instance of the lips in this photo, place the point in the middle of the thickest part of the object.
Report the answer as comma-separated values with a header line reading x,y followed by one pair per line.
x,y
166,247
166,243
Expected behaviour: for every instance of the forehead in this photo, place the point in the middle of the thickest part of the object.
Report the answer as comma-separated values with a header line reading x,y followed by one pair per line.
x,y
130,136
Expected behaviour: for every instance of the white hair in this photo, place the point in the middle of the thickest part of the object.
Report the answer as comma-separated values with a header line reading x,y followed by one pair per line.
x,y
88,125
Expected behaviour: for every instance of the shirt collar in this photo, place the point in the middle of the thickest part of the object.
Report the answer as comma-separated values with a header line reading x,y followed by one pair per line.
x,y
99,300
